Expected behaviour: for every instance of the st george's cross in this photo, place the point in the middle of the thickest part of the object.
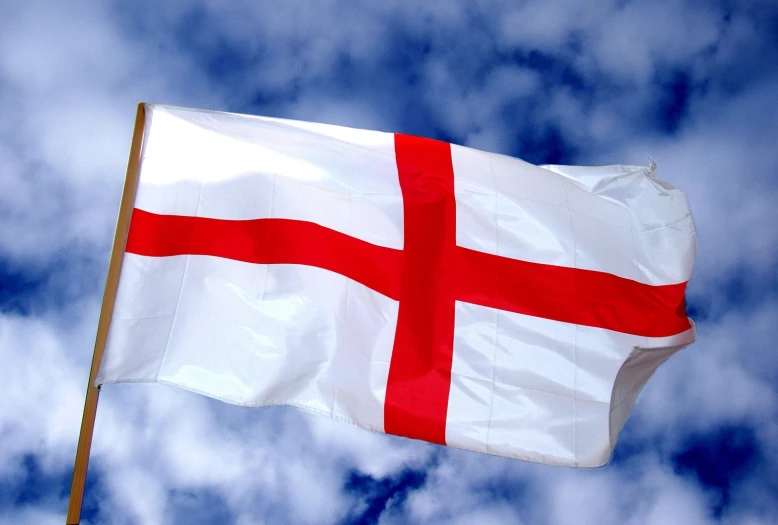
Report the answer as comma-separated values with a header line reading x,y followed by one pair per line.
x,y
442,338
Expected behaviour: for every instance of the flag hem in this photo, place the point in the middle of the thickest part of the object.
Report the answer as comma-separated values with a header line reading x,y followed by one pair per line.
x,y
541,461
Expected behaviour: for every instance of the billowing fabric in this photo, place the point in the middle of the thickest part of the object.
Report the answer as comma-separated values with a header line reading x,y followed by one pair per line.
x,y
402,284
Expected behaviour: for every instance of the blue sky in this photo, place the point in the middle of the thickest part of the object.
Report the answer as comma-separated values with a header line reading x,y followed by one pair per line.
x,y
692,83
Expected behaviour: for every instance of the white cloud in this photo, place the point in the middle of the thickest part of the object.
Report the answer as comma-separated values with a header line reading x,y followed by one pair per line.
x,y
637,39
70,76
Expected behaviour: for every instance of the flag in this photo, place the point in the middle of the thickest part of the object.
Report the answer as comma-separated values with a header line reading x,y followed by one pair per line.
x,y
402,284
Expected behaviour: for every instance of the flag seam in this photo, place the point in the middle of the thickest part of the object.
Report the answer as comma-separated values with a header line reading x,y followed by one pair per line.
x,y
496,314
180,288
575,332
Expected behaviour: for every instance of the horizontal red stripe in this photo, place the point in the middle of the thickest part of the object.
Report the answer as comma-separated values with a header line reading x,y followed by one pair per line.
x,y
570,295
558,293
268,241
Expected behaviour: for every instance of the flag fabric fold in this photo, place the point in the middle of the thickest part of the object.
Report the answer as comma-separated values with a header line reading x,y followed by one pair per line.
x,y
403,284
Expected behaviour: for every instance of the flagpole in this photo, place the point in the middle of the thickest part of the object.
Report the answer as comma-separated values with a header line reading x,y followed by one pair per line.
x,y
109,295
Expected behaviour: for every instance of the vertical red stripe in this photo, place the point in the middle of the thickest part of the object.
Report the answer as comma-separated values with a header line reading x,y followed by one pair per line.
x,y
420,372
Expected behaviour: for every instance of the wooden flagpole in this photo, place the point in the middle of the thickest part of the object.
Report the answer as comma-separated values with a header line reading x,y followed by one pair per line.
x,y
109,295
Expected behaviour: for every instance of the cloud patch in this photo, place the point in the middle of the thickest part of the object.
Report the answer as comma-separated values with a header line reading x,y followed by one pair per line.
x,y
692,83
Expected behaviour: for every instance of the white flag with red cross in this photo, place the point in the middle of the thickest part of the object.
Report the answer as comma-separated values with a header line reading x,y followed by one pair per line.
x,y
403,284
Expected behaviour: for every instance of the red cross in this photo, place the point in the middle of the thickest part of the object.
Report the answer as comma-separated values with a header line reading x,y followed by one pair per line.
x,y
427,276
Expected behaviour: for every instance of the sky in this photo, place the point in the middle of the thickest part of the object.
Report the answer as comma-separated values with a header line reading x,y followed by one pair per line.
x,y
693,84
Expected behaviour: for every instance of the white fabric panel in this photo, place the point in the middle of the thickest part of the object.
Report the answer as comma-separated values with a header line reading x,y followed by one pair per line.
x,y
258,334
143,313
253,334
616,219
511,208
543,390
229,166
